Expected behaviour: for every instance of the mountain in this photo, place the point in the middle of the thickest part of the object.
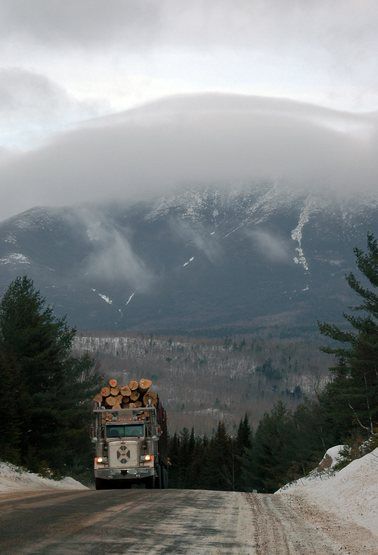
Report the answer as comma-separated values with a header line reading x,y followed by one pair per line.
x,y
257,259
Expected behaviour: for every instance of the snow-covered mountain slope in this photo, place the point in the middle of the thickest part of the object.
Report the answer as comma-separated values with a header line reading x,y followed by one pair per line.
x,y
209,260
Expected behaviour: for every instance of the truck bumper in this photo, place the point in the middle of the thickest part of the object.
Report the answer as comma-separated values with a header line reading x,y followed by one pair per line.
x,y
124,474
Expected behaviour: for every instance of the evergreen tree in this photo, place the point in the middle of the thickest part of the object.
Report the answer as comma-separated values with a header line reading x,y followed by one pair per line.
x,y
54,407
10,418
174,457
183,460
352,397
273,450
244,436
242,455
221,461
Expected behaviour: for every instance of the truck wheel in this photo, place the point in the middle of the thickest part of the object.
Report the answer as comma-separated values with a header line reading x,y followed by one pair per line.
x,y
100,484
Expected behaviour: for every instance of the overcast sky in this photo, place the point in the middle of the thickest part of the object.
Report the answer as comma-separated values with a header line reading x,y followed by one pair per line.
x,y
66,62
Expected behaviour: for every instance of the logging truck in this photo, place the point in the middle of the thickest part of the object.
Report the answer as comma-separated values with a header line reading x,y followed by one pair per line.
x,y
129,437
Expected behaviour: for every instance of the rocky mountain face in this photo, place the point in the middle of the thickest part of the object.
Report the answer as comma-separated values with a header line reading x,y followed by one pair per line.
x,y
203,261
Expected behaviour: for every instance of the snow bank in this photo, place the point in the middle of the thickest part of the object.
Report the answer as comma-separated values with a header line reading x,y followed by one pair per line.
x,y
332,457
13,478
352,492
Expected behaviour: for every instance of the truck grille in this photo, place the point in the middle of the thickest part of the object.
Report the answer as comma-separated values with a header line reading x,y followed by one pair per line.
x,y
123,454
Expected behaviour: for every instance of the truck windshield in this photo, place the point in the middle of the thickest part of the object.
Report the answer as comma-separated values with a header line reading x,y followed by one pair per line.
x,y
125,430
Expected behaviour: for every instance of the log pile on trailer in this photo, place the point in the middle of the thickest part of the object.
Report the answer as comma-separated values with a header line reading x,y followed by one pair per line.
x,y
130,434
136,394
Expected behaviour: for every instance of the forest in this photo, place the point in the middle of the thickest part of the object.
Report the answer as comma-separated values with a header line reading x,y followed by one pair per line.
x,y
47,392
203,381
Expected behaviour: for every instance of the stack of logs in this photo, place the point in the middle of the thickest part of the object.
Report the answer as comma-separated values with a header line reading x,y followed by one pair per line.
x,y
132,396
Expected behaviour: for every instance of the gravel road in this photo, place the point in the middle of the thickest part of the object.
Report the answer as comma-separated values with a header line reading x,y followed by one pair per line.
x,y
172,521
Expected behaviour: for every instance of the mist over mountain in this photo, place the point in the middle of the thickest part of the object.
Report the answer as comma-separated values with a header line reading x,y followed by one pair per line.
x,y
203,214
200,140
258,259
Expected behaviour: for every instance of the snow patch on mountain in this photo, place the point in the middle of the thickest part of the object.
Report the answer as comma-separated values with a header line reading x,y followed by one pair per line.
x,y
297,235
15,258
36,218
188,262
105,298
10,238
130,298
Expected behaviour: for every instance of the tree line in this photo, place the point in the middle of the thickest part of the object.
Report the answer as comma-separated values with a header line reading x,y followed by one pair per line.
x,y
46,391
288,444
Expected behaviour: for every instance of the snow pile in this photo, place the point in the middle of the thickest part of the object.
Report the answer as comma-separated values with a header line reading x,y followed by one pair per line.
x,y
332,457
323,471
13,478
352,493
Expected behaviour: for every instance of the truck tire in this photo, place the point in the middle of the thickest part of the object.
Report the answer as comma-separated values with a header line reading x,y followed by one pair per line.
x,y
100,484
161,482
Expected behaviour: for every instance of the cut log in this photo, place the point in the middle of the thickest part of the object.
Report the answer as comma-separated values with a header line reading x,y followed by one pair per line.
x,y
125,400
134,396
138,404
119,399
105,391
152,394
132,406
110,401
133,385
144,385
113,382
114,391
150,398
125,391
117,406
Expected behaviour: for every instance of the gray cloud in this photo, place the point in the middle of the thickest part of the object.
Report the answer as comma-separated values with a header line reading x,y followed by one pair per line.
x,y
196,140
348,25
128,49
112,259
199,237
274,248
31,106
83,23
316,39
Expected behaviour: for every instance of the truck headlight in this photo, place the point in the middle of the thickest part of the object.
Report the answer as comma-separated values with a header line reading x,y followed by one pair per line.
x,y
147,458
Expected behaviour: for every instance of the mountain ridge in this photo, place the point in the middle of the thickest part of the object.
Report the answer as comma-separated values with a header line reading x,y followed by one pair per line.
x,y
203,261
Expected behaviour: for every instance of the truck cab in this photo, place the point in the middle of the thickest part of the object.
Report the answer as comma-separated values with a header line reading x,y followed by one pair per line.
x,y
127,448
